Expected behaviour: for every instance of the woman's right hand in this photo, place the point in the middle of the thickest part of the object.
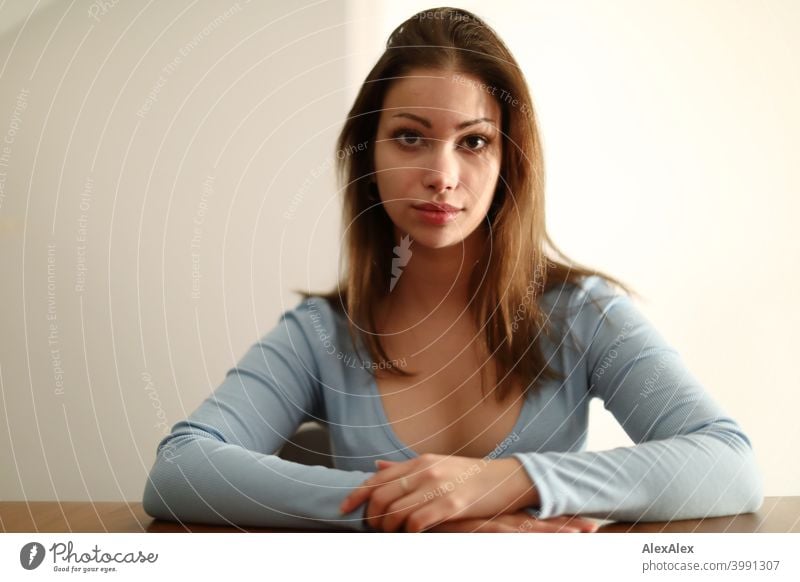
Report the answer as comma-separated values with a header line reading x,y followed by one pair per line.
x,y
518,522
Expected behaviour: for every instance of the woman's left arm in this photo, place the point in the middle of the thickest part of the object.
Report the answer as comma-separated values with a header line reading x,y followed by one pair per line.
x,y
691,459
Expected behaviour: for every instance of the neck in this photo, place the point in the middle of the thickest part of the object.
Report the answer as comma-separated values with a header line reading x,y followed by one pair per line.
x,y
436,281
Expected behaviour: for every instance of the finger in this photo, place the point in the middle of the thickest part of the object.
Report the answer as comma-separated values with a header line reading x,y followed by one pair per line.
x,y
584,527
583,524
382,464
361,493
554,528
382,500
457,526
548,528
497,527
397,513
358,495
431,514
553,525
573,521
376,506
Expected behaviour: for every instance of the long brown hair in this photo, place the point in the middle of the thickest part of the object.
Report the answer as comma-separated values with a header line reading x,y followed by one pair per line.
x,y
519,263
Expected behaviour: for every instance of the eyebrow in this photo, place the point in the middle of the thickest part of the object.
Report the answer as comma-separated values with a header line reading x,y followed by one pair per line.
x,y
428,124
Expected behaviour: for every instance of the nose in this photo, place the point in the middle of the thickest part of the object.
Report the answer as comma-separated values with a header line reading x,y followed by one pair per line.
x,y
441,169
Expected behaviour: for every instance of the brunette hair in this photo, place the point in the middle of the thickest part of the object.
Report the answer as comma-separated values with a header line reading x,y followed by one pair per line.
x,y
519,264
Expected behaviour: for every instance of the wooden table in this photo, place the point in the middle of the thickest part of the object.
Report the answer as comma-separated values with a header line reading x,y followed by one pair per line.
x,y
777,515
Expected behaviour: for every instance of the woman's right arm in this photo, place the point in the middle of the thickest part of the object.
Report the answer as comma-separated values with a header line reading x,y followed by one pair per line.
x,y
219,465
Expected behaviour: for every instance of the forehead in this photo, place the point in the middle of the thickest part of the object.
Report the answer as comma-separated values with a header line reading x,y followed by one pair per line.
x,y
444,97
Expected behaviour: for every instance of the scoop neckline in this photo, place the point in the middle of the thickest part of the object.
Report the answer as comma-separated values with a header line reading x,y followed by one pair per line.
x,y
410,453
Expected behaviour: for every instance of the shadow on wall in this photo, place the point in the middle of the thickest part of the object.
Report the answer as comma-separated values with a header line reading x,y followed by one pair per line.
x,y
17,12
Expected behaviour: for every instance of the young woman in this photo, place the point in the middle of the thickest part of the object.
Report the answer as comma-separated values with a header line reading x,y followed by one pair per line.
x,y
461,348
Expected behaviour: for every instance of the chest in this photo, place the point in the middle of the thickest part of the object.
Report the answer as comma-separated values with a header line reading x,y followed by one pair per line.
x,y
442,409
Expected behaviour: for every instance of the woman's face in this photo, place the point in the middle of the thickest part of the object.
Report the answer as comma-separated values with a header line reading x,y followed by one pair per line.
x,y
438,143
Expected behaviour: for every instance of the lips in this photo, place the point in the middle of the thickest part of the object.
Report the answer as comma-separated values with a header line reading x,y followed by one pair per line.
x,y
433,207
436,214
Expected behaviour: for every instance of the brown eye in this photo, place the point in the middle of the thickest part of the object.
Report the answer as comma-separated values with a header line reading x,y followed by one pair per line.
x,y
406,138
476,142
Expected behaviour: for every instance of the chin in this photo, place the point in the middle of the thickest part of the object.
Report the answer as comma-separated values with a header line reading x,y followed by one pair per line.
x,y
433,239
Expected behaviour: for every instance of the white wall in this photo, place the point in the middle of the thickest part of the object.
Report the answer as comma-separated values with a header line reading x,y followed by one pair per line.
x,y
670,131
256,102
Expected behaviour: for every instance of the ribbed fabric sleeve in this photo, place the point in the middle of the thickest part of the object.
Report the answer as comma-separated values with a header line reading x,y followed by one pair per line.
x,y
690,460
219,465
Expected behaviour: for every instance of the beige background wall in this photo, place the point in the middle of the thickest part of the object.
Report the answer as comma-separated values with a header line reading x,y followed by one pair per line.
x,y
168,182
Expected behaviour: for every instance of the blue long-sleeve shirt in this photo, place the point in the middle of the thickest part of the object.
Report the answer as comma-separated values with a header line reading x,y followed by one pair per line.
x,y
690,459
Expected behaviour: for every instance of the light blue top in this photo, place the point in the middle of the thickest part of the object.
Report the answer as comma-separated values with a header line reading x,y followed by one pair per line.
x,y
690,460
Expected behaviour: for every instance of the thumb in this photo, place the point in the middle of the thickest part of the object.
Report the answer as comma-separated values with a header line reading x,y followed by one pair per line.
x,y
382,464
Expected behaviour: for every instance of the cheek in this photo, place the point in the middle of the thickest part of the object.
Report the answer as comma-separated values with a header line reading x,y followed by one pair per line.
x,y
384,172
483,183
395,180
386,156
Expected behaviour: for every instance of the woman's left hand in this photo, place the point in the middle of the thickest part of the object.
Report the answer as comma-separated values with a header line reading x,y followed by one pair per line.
x,y
432,489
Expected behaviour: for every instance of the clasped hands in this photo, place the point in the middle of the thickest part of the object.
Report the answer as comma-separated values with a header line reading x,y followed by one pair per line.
x,y
447,493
